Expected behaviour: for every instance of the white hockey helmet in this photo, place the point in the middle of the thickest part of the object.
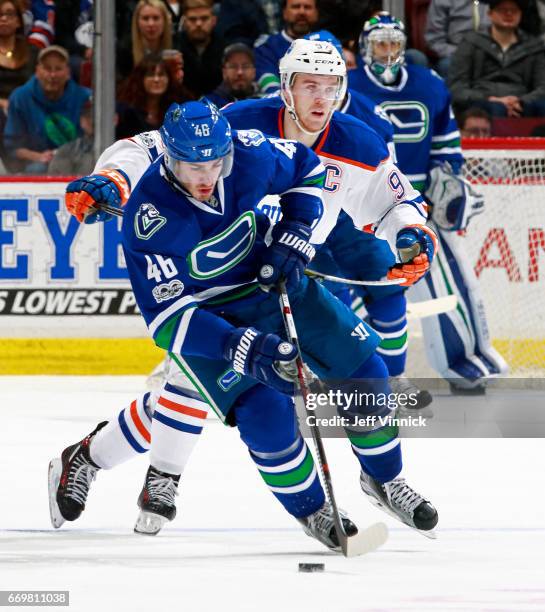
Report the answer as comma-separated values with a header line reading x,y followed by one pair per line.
x,y
311,57
383,28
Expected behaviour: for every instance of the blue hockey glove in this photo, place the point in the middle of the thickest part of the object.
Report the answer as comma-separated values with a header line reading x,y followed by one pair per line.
x,y
416,246
288,255
84,195
265,357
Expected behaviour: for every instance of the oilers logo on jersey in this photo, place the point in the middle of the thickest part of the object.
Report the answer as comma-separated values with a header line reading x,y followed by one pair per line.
x,y
147,221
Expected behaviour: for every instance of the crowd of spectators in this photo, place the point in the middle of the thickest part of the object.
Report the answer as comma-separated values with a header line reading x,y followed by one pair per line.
x,y
491,54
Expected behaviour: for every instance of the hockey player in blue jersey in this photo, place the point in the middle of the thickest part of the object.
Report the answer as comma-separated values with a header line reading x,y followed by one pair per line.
x,y
428,151
182,325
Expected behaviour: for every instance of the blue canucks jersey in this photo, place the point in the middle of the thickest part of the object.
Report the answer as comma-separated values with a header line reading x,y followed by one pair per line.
x,y
425,131
366,110
268,49
189,259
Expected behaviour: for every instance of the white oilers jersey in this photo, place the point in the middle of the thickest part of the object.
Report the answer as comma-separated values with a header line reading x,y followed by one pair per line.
x,y
132,155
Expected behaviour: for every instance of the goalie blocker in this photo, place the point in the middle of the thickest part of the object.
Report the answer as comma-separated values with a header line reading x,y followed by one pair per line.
x,y
457,342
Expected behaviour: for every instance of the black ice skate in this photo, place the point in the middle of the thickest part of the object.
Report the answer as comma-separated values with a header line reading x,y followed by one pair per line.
x,y
70,479
321,526
400,501
423,398
157,501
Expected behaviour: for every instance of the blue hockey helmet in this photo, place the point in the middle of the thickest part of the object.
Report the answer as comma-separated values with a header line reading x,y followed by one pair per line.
x,y
196,132
382,29
326,36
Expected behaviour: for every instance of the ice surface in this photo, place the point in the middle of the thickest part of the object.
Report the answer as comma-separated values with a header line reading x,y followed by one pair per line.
x,y
232,547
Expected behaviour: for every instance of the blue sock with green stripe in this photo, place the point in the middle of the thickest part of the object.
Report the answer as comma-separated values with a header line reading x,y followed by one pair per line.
x,y
292,477
377,447
388,316
268,426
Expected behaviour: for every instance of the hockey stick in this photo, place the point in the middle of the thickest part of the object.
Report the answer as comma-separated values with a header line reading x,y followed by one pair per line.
x,y
349,281
374,536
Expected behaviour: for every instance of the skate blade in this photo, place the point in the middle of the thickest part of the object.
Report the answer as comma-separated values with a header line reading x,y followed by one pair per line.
x,y
365,541
430,533
54,476
149,523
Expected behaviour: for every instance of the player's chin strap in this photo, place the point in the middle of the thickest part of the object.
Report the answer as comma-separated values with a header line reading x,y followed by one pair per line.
x,y
363,541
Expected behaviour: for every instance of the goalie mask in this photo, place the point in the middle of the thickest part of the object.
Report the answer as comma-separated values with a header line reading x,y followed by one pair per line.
x,y
453,199
317,58
382,46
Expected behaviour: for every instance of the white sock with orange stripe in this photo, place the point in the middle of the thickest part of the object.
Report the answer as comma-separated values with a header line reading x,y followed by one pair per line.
x,y
124,437
177,423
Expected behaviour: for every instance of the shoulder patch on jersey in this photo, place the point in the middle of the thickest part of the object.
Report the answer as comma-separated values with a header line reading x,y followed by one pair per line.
x,y
250,137
220,253
148,221
146,139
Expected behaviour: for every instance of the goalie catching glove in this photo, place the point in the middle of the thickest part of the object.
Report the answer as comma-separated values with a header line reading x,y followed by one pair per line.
x,y
288,255
454,201
265,357
85,195
416,245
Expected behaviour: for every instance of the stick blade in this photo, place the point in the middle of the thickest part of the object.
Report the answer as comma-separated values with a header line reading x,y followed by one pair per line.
x,y
365,541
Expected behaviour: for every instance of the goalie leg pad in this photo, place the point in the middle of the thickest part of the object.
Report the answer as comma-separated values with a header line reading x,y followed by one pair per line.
x,y
457,342
267,425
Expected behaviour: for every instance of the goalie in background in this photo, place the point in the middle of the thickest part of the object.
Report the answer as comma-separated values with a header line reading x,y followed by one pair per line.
x,y
426,138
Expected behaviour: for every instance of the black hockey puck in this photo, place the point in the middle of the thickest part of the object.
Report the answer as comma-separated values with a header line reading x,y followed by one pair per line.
x,y
311,567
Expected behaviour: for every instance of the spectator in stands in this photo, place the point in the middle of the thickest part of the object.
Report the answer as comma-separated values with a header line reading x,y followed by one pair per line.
x,y
346,17
272,9
300,18
201,46
17,56
44,113
39,21
447,23
475,123
241,21
238,71
145,96
151,32
175,9
503,70
76,158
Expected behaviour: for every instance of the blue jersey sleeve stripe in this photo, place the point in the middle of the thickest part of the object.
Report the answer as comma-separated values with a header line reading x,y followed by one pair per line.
x,y
179,335
169,312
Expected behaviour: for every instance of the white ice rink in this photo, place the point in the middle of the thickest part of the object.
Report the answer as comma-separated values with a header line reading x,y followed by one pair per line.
x,y
233,548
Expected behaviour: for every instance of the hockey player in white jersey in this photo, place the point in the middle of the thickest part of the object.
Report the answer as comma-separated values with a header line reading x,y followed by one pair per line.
x,y
428,151
130,434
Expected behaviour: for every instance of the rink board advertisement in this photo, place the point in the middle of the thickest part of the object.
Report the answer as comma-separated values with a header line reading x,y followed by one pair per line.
x,y
62,283
54,269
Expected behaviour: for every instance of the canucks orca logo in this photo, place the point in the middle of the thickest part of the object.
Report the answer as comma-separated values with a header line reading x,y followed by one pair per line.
x,y
411,120
147,221
220,253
